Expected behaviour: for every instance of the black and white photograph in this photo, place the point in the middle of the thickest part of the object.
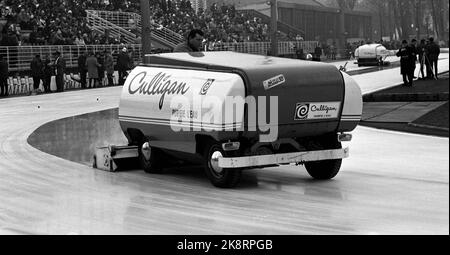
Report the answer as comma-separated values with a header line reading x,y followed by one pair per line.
x,y
246,120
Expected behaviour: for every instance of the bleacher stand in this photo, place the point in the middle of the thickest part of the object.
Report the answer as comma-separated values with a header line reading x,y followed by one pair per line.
x,y
63,25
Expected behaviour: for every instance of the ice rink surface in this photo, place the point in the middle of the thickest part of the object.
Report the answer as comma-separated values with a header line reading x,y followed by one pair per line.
x,y
392,183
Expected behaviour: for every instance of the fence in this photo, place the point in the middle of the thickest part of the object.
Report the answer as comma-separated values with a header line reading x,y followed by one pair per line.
x,y
23,85
263,48
19,58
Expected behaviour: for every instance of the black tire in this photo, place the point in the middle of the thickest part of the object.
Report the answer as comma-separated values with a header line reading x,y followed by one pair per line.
x,y
227,178
324,169
152,165
380,62
94,163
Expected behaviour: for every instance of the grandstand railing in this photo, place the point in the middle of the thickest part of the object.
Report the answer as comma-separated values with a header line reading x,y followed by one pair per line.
x,y
19,57
160,33
120,19
263,48
167,36
164,33
101,25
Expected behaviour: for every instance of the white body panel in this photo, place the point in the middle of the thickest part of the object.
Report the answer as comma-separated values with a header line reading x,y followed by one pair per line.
x,y
371,51
353,104
164,101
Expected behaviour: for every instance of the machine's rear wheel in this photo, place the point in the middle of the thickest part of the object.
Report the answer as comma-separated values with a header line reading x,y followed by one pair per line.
x,y
150,158
324,169
219,177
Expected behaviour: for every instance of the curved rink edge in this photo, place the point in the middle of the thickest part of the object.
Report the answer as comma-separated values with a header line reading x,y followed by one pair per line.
x,y
75,138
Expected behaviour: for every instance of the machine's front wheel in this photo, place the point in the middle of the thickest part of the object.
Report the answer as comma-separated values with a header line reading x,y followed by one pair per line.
x,y
150,158
219,177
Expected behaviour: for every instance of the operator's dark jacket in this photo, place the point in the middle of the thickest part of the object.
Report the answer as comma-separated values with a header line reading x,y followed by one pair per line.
x,y
184,47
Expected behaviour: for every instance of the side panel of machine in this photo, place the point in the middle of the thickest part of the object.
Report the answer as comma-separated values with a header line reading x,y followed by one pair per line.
x,y
352,112
309,99
371,53
171,106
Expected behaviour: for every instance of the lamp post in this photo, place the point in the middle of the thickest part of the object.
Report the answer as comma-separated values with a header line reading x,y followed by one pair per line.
x,y
274,26
146,29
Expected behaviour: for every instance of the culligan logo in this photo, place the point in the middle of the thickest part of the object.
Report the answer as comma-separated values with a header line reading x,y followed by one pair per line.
x,y
160,84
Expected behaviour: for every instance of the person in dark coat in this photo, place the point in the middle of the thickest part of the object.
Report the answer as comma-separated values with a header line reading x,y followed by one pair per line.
x,y
60,66
48,72
4,73
433,52
109,67
407,63
317,53
421,49
9,38
414,49
36,72
82,69
101,67
92,66
333,50
123,65
300,54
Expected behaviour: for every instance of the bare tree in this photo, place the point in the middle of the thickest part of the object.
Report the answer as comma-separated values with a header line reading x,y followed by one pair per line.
x,y
404,18
380,6
438,10
393,5
433,10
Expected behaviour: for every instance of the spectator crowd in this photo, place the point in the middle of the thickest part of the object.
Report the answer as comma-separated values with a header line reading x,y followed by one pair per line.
x,y
221,24
63,22
56,22
95,69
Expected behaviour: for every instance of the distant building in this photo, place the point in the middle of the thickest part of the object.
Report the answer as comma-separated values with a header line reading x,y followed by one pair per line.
x,y
320,22
317,19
